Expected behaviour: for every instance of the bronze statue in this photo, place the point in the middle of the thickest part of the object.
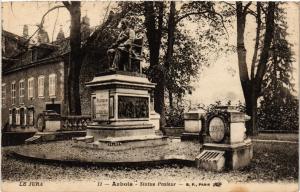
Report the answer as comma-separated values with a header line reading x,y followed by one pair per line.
x,y
119,52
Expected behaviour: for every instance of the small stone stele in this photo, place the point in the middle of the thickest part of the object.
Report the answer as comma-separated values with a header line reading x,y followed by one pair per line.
x,y
192,125
225,131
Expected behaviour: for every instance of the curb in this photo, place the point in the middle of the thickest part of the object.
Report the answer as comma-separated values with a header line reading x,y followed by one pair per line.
x,y
75,162
274,141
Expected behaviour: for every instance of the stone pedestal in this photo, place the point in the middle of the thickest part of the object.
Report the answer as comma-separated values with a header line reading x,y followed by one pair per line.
x,y
192,125
121,112
236,155
225,133
154,119
52,125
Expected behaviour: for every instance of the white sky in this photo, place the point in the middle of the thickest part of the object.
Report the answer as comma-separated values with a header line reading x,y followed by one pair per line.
x,y
215,82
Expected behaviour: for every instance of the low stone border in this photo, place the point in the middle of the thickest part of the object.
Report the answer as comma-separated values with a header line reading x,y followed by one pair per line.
x,y
67,152
274,141
166,161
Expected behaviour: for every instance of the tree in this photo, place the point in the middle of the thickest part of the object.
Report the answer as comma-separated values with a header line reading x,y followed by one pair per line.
x,y
75,54
183,63
279,108
252,85
75,57
153,12
174,76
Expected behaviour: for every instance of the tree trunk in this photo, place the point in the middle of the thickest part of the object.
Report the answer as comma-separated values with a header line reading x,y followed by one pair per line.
x,y
170,48
153,25
75,59
252,87
170,99
243,70
251,110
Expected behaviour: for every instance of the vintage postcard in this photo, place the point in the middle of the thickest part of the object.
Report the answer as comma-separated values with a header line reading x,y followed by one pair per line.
x,y
149,96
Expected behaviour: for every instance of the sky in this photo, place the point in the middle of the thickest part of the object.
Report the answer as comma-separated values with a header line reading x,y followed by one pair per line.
x,y
214,83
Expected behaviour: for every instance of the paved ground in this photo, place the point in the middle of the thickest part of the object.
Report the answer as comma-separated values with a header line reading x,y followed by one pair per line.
x,y
272,162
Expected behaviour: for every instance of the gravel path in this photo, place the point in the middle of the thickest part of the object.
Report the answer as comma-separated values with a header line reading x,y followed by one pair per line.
x,y
271,163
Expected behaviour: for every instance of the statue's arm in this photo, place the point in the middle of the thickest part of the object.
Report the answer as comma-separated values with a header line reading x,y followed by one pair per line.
x,y
123,37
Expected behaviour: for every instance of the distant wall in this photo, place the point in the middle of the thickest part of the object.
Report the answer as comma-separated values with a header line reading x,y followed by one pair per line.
x,y
173,131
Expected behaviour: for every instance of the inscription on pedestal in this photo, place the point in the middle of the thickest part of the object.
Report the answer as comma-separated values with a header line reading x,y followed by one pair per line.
x,y
217,129
102,106
133,107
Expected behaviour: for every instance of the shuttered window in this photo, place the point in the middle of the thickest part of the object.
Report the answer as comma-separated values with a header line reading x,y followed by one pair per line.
x,y
52,85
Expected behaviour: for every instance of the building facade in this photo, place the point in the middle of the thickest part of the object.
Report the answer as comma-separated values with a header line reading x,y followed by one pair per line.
x,y
35,76
33,80
33,86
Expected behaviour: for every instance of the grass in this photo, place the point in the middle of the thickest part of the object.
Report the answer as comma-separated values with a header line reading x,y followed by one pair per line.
x,y
278,136
272,162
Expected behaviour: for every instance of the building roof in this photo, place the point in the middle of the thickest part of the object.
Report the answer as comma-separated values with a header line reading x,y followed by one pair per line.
x,y
50,52
57,49
13,36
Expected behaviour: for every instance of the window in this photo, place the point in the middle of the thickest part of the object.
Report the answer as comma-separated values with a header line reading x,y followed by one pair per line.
x,y
21,91
13,117
13,93
3,95
52,85
30,116
10,117
34,55
41,81
17,117
30,88
22,117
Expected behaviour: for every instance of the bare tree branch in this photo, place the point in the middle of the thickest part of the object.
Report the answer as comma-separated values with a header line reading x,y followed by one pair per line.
x,y
43,20
251,12
246,7
258,21
229,4
106,12
189,14
264,10
222,22
55,24
203,13
67,4
11,8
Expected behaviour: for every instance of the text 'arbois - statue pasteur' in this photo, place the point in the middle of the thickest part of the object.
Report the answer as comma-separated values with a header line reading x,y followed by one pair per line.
x,y
125,53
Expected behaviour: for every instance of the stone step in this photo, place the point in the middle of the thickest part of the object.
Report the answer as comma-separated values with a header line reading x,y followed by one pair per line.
x,y
211,160
131,131
87,139
130,138
125,143
33,139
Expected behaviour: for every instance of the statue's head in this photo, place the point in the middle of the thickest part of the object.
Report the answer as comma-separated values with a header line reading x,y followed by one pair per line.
x,y
124,23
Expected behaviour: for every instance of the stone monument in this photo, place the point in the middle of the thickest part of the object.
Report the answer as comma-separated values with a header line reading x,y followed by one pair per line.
x,y
193,127
225,143
121,105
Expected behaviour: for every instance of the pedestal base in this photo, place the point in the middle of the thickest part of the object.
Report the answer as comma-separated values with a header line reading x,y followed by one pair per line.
x,y
236,155
112,137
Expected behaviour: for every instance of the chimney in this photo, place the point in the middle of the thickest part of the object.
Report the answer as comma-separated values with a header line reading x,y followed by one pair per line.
x,y
60,35
25,31
85,27
42,36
